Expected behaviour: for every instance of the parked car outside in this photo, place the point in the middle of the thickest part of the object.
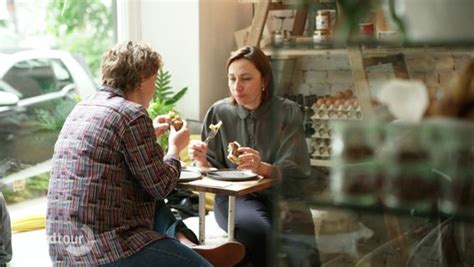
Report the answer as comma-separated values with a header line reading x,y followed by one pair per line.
x,y
38,89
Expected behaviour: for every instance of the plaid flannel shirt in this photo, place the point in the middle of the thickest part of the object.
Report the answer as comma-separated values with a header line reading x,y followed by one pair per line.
x,y
107,173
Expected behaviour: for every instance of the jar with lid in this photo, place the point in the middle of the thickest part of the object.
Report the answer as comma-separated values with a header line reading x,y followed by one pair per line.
x,y
326,19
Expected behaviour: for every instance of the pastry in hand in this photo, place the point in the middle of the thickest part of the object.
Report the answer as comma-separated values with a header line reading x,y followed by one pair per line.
x,y
233,153
175,120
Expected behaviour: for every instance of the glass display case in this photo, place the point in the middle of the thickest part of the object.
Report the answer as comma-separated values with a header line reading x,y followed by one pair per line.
x,y
384,191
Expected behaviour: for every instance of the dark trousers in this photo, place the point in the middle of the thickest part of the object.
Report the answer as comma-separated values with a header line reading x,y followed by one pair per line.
x,y
253,228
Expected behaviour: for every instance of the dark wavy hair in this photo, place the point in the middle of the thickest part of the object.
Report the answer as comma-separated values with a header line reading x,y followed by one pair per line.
x,y
127,64
260,61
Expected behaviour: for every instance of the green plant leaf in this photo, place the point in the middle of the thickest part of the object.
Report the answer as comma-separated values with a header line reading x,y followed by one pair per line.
x,y
176,97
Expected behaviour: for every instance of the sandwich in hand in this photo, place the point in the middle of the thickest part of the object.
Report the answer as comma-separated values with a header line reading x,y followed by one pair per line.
x,y
233,154
175,120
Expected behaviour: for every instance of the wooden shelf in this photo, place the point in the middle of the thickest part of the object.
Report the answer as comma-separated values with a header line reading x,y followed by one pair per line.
x,y
284,53
290,52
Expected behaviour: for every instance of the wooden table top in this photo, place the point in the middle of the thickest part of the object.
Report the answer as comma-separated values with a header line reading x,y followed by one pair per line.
x,y
229,188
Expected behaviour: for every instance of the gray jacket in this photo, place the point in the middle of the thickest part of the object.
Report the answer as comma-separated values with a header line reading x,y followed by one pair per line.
x,y
5,233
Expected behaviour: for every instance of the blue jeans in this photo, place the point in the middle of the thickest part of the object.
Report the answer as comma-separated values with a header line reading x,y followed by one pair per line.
x,y
165,252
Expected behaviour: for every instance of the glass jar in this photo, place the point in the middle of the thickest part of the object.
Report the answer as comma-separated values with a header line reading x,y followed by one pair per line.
x,y
450,144
355,140
325,19
409,183
356,171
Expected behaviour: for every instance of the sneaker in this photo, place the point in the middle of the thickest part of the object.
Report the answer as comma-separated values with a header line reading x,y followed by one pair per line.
x,y
223,255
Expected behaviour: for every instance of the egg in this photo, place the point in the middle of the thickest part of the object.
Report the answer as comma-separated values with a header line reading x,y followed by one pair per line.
x,y
339,95
329,102
347,103
338,103
348,93
320,102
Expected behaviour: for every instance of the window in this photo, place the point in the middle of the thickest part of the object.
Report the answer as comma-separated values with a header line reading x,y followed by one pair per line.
x,y
38,76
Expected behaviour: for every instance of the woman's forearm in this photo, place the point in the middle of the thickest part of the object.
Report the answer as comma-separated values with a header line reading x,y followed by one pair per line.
x,y
265,169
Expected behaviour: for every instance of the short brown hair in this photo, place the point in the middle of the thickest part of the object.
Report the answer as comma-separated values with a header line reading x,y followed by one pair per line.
x,y
127,64
260,61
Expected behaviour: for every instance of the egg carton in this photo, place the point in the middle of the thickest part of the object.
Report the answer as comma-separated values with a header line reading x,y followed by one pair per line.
x,y
337,103
317,124
323,133
321,152
330,114
321,141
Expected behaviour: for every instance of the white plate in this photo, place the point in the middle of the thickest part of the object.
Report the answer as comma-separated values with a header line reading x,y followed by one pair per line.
x,y
203,170
232,175
187,176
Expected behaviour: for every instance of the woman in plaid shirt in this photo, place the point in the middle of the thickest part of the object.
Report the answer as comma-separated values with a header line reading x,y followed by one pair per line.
x,y
108,172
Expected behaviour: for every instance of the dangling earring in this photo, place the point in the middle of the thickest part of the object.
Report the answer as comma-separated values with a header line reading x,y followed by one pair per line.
x,y
263,89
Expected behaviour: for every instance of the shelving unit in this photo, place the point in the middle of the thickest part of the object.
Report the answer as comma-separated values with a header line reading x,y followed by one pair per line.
x,y
263,7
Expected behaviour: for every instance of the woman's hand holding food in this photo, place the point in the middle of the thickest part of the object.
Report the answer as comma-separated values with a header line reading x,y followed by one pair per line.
x,y
249,159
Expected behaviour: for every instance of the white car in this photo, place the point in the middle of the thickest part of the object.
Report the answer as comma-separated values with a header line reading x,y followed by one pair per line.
x,y
50,69
38,89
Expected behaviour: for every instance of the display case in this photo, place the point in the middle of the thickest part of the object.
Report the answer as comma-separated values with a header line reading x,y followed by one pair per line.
x,y
381,193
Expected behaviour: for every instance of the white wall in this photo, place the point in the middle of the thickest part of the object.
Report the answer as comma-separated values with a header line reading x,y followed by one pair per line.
x,y
194,38
219,20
